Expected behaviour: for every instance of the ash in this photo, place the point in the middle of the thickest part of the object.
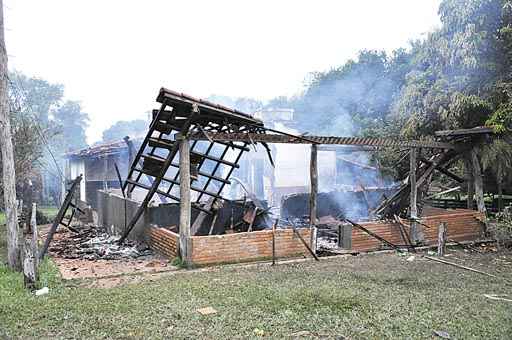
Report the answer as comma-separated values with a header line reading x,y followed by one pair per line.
x,y
89,242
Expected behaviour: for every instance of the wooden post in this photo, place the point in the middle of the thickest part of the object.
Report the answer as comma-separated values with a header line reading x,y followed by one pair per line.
x,y
478,182
479,186
30,252
185,205
313,173
413,207
8,173
35,235
129,144
469,180
274,242
441,239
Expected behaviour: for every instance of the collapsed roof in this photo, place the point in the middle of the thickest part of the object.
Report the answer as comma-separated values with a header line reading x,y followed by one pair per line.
x,y
213,161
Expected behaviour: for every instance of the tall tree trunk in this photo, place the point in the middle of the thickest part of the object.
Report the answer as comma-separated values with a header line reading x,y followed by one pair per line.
x,y
8,173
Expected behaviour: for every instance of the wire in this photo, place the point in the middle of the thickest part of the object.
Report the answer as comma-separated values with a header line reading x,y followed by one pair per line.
x,y
48,170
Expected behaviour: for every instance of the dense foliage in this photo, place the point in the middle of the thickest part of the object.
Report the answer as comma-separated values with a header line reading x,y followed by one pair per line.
x,y
460,76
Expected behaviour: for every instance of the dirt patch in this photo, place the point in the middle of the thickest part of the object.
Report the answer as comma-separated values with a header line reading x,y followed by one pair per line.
x,y
80,269
110,271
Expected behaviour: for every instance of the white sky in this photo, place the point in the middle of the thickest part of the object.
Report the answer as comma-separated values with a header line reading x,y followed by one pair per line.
x,y
114,55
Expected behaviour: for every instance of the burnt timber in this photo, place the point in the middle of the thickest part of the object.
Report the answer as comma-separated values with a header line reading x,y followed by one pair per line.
x,y
324,140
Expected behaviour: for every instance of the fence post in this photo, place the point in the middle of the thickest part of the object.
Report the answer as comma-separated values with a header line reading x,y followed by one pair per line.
x,y
441,239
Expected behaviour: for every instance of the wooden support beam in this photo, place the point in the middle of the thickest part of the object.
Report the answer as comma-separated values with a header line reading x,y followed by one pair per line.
x,y
185,205
313,173
282,137
478,184
413,197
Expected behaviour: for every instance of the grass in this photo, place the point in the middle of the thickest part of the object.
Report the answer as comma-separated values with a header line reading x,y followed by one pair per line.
x,y
49,211
377,296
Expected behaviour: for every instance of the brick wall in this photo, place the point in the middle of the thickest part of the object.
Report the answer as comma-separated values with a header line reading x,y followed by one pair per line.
x,y
463,225
164,241
241,247
231,248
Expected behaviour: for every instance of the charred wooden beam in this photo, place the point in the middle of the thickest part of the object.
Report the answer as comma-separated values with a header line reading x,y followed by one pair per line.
x,y
372,234
465,132
279,138
60,215
443,170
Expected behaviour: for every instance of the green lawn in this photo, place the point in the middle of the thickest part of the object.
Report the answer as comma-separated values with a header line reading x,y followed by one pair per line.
x,y
377,296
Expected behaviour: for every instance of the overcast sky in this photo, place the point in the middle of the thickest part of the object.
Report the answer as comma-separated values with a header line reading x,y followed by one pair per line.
x,y
114,55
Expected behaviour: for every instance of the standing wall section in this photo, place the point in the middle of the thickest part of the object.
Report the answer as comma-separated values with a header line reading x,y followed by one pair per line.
x,y
463,225
233,248
111,215
164,241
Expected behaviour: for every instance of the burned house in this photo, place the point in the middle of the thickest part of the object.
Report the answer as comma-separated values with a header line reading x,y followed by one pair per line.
x,y
189,168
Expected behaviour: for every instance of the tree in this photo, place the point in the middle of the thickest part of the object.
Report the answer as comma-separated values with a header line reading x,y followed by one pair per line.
x,y
8,172
70,124
120,129
497,157
28,128
34,96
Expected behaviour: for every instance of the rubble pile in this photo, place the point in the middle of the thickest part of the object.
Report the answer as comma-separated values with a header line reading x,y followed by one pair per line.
x,y
89,242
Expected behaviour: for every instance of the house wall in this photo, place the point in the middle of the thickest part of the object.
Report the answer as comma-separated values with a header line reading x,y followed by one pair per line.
x,y
111,214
